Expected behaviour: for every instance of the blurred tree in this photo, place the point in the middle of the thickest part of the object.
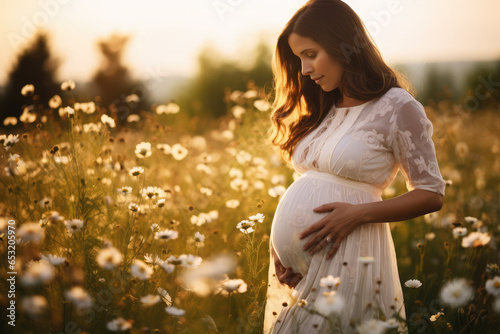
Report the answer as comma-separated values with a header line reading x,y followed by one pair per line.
x,y
204,94
113,80
261,72
34,65
482,87
438,86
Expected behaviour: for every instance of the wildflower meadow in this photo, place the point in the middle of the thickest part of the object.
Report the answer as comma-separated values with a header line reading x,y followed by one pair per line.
x,y
155,222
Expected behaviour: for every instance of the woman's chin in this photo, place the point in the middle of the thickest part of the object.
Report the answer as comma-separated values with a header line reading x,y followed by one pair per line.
x,y
327,88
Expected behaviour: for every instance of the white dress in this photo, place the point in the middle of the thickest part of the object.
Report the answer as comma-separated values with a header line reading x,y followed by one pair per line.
x,y
351,157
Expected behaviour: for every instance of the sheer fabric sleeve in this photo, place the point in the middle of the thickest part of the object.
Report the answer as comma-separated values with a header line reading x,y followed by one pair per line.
x,y
414,150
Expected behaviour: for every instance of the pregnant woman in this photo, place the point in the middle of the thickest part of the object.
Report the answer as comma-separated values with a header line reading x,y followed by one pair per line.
x,y
347,123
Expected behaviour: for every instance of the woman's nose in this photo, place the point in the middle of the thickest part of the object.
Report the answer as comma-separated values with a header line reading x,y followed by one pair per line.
x,y
306,68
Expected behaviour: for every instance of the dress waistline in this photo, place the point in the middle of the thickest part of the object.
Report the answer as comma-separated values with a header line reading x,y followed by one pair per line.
x,y
363,186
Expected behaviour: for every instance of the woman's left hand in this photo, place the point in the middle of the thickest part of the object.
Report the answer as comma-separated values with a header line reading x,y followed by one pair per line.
x,y
343,219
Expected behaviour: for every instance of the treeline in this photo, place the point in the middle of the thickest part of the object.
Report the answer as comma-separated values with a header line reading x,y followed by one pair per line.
x,y
205,94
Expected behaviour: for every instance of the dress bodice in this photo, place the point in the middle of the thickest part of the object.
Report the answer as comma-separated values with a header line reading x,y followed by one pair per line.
x,y
372,141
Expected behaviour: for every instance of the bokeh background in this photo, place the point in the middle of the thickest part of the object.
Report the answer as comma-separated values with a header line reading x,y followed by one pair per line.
x,y
191,51
178,90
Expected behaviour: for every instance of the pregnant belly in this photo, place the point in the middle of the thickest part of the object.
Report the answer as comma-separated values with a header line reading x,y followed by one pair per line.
x,y
294,214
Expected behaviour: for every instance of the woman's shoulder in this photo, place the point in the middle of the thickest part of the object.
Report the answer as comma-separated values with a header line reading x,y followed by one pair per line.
x,y
399,96
394,100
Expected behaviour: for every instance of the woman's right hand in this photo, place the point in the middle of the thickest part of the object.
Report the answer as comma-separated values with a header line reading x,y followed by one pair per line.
x,y
285,275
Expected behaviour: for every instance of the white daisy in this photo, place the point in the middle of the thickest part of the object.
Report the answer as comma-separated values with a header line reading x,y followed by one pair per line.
x,y
232,203
68,85
276,191
70,112
258,217
391,323
132,98
152,259
28,90
9,141
166,235
329,281
150,192
496,305
53,259
37,272
79,297
133,207
119,325
140,270
238,111
168,267
372,326
476,239
262,105
366,260
456,292
329,303
165,148
472,220
160,203
198,237
10,121
459,232
31,232
206,191
230,286
174,311
34,305
150,300
143,150
239,184
243,157
430,236
110,122
191,261
493,286
246,226
45,203
176,260
73,225
53,217
170,108
179,152
136,171
436,316
251,94
235,173
413,283
108,258
133,118
63,159
125,190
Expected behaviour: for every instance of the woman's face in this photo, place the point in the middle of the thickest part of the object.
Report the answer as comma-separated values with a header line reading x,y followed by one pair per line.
x,y
316,62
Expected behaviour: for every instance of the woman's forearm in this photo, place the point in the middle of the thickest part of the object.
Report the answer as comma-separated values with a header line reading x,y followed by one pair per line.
x,y
406,206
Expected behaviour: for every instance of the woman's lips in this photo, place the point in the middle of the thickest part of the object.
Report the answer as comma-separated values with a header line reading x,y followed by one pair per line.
x,y
319,79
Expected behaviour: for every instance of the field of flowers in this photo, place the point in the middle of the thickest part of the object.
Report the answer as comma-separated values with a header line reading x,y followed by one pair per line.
x,y
162,225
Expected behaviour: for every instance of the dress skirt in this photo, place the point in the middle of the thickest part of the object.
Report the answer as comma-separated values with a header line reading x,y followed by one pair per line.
x,y
368,290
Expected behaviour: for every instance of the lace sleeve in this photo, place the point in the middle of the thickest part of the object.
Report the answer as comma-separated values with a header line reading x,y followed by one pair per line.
x,y
413,149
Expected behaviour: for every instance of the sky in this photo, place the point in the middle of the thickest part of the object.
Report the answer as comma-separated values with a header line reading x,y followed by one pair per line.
x,y
167,35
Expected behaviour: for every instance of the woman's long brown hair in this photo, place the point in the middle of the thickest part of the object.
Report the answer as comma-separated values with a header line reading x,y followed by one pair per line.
x,y
300,104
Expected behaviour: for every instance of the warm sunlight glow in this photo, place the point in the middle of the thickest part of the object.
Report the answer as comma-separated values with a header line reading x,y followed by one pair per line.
x,y
170,34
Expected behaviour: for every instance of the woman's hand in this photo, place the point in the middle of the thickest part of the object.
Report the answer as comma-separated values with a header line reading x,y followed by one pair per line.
x,y
285,275
342,221
346,217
